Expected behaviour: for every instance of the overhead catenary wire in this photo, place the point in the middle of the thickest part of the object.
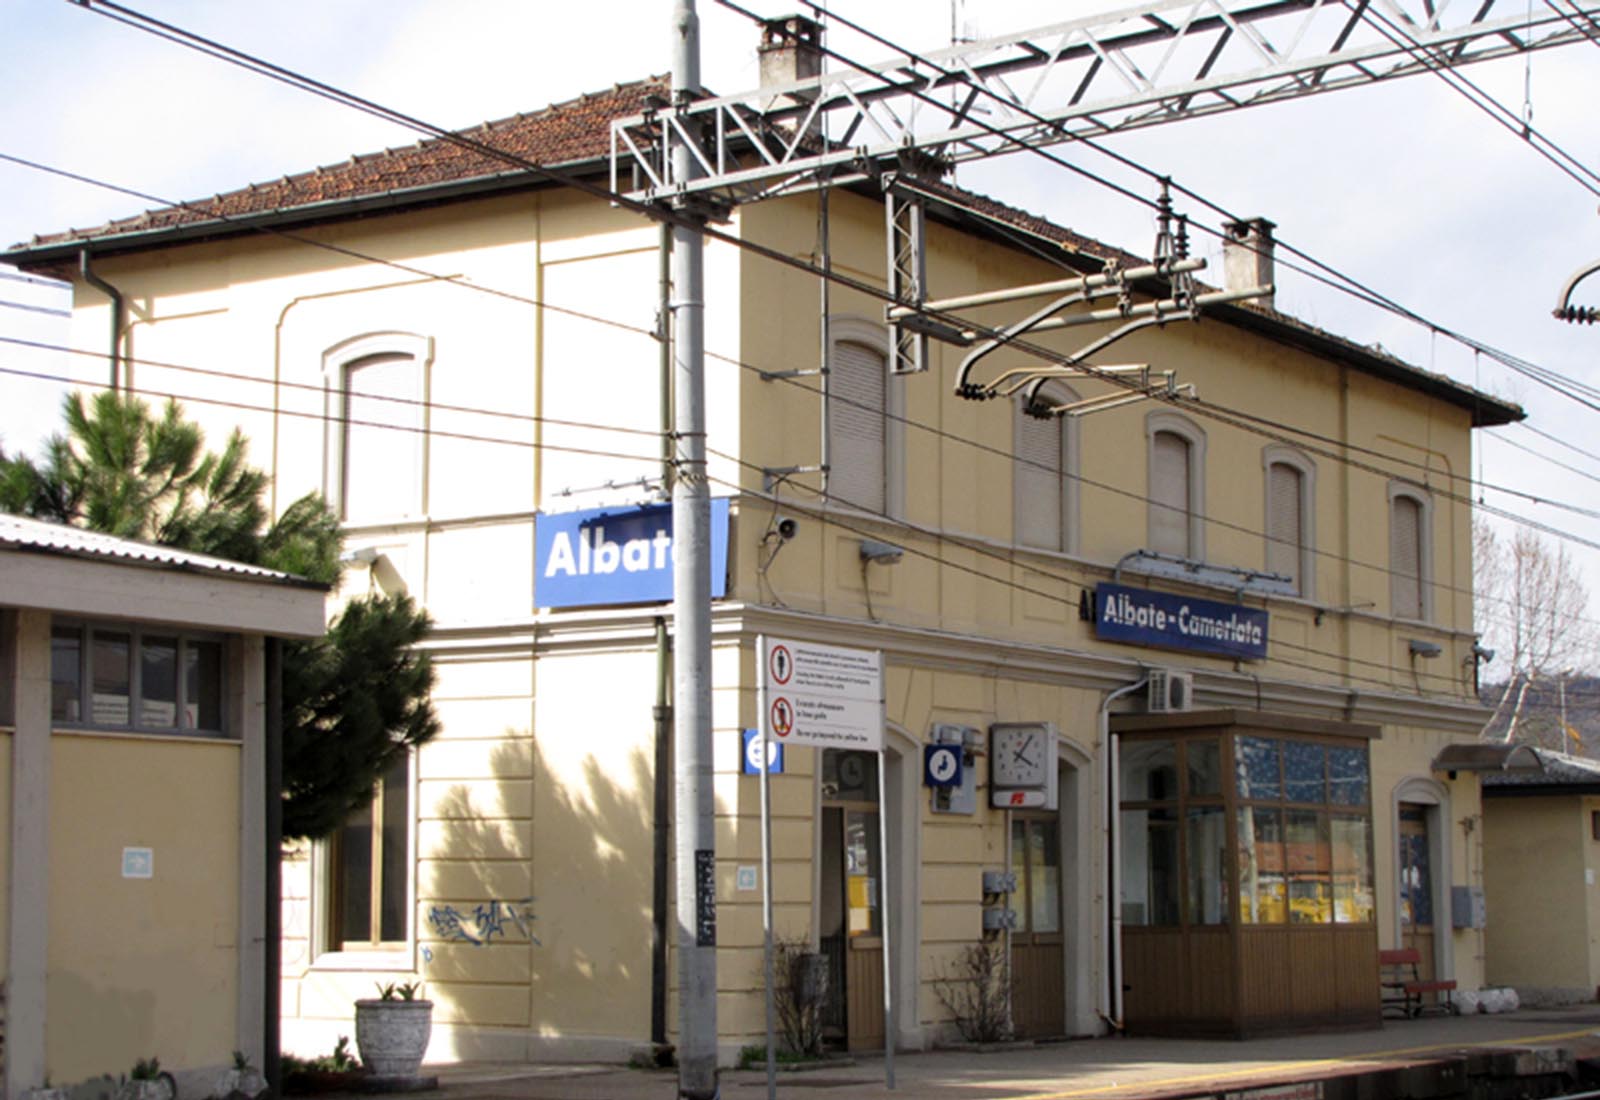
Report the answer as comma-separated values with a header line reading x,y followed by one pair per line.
x,y
279,73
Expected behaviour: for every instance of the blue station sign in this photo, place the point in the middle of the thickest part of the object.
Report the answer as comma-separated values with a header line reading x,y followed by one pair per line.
x,y
1139,616
616,555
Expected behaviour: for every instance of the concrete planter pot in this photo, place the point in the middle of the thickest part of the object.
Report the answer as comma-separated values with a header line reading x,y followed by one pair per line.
x,y
393,1035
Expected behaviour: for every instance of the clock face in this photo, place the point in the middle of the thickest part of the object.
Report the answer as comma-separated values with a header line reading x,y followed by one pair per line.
x,y
1020,758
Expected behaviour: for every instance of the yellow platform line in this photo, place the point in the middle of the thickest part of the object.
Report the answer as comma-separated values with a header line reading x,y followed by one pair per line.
x,y
1299,1067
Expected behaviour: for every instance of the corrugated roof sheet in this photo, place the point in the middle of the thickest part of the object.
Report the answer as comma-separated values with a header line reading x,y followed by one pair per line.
x,y
19,533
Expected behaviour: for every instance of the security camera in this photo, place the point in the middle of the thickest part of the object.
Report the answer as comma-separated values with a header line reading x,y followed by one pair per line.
x,y
787,528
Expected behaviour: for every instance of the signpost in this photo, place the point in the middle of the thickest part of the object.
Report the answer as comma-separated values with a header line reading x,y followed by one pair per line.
x,y
826,697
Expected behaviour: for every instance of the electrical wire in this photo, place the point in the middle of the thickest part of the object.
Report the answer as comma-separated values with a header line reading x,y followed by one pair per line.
x,y
294,79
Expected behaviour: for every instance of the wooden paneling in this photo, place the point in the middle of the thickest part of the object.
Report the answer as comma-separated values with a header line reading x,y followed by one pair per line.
x,y
1211,976
864,996
1039,993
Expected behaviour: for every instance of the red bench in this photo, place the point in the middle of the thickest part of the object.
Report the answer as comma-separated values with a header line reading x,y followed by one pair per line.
x,y
1403,987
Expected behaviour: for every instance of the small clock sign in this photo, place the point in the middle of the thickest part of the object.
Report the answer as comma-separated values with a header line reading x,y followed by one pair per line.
x,y
1022,765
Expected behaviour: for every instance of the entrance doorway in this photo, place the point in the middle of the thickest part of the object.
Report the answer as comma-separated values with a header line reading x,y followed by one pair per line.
x,y
850,920
1038,968
1416,886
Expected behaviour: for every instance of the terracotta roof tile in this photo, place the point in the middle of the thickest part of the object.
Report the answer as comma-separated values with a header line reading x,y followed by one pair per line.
x,y
560,134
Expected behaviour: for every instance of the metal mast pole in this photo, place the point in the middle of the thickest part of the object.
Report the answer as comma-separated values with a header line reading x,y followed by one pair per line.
x,y
691,540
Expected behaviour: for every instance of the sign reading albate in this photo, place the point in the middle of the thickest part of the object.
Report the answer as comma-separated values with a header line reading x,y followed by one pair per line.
x,y
616,555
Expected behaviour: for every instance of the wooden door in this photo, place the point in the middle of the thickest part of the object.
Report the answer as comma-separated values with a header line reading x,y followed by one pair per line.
x,y
1416,886
851,932
1038,1004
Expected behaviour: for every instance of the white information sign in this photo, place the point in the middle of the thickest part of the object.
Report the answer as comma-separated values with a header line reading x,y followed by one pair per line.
x,y
822,695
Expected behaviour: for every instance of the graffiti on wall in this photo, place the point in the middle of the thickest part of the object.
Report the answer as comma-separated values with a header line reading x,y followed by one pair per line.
x,y
484,922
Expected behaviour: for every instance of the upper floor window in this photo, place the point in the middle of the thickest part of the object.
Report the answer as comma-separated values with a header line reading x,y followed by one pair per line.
x,y
1410,552
128,677
1177,486
861,442
377,446
1290,552
1045,504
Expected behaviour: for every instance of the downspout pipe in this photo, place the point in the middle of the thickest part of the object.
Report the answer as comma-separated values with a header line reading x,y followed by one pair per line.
x,y
114,354
1113,1013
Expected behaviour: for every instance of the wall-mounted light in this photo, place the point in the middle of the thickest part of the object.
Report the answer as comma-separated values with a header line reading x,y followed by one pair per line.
x,y
365,556
884,553
1420,648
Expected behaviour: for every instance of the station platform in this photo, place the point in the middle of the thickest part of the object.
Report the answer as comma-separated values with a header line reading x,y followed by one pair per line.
x,y
1530,1053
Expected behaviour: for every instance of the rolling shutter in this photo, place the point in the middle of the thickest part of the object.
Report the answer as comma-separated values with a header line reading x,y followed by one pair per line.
x,y
857,388
1285,523
1169,494
1038,481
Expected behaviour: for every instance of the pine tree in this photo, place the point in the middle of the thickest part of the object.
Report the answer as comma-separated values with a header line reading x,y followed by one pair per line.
x,y
355,699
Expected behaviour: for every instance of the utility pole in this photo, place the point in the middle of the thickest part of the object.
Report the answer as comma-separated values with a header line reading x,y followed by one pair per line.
x,y
691,614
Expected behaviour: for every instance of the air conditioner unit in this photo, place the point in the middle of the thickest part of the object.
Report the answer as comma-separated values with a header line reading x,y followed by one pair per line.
x,y
1170,690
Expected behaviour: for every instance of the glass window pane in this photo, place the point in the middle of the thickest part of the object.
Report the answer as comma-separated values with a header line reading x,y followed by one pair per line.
x,y
1208,866
1257,765
396,821
158,682
1310,883
111,679
66,674
1352,870
1202,758
862,873
1149,771
353,879
1149,872
1348,783
202,685
1044,877
1303,766
1416,876
1262,888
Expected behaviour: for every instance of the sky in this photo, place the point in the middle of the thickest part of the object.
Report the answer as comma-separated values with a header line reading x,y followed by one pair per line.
x,y
1404,186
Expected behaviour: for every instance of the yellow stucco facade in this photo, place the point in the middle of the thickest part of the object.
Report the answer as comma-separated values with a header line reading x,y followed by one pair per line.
x,y
534,805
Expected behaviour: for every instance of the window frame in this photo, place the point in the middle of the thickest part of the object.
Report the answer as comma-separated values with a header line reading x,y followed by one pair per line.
x,y
336,364
1403,490
1278,455
1066,471
1155,424
137,633
330,953
871,335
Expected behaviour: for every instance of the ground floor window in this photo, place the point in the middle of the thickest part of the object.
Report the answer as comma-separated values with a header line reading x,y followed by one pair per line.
x,y
128,677
369,868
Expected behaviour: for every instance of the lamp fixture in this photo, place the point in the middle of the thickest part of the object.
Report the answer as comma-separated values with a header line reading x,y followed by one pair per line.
x,y
1420,648
884,553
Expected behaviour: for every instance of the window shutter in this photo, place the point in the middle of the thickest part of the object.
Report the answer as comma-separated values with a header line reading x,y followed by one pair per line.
x,y
857,385
1285,524
1038,481
1405,557
1169,494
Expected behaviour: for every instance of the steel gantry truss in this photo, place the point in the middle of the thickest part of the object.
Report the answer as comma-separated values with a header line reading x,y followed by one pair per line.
x,y
903,122
1158,62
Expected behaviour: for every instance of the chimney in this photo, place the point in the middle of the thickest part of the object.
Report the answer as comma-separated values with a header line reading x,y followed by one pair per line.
x,y
1247,256
791,49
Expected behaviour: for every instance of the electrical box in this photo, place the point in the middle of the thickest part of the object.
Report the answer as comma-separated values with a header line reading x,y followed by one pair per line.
x,y
1467,909
999,882
999,920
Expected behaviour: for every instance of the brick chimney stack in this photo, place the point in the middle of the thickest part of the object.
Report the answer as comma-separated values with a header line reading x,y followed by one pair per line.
x,y
791,49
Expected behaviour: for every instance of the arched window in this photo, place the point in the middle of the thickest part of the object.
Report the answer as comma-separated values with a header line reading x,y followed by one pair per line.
x,y
863,435
1410,552
1177,484
377,388
1290,516
1045,484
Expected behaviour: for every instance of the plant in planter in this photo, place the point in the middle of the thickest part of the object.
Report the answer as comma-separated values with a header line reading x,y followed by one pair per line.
x,y
242,1082
336,1072
148,1081
392,1030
